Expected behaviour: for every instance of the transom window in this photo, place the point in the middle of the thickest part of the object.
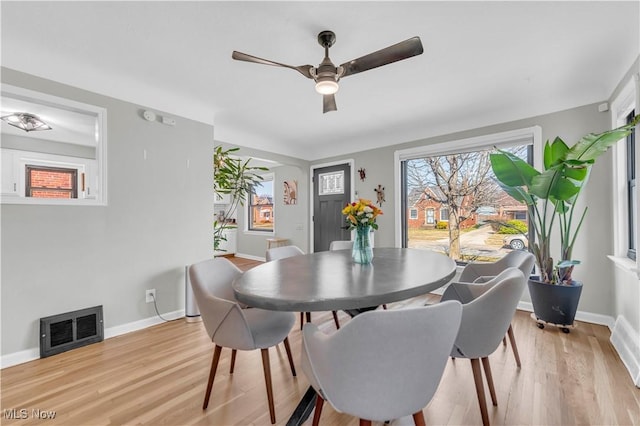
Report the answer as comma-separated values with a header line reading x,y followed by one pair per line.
x,y
331,183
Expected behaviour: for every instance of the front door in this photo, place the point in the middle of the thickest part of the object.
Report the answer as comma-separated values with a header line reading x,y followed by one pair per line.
x,y
331,192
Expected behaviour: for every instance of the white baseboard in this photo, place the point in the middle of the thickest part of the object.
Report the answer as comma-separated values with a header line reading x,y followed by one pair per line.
x,y
580,316
625,340
250,257
34,353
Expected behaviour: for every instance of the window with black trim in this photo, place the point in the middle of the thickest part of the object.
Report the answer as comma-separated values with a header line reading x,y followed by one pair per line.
x,y
467,215
260,207
51,182
632,191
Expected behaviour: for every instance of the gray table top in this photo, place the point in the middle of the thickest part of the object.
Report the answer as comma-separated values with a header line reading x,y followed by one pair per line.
x,y
330,280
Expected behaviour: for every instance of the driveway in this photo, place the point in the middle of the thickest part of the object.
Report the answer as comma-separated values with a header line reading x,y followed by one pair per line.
x,y
472,243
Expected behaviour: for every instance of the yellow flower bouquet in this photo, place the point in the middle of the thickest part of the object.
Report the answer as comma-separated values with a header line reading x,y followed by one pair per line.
x,y
361,213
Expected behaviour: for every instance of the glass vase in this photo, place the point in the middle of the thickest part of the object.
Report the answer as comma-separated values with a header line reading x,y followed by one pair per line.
x,y
362,251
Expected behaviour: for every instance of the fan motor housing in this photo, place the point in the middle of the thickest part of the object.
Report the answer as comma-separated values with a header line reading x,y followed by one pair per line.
x,y
326,38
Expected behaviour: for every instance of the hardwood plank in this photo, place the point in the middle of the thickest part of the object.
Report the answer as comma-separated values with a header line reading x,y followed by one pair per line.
x,y
158,376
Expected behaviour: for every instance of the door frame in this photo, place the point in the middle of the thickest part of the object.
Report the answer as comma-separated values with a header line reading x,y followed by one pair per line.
x,y
351,162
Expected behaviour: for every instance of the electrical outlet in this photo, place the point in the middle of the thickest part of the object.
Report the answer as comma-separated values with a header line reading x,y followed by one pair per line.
x,y
150,295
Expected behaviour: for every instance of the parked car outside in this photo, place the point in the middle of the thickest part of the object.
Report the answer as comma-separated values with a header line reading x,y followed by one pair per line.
x,y
516,241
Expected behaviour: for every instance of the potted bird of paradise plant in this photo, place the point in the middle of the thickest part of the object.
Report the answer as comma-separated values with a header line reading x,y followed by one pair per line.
x,y
551,196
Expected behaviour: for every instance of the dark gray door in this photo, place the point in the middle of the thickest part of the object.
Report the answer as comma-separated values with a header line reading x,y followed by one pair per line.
x,y
331,192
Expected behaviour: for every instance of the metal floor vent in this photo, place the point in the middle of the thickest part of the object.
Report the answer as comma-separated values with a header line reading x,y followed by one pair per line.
x,y
63,332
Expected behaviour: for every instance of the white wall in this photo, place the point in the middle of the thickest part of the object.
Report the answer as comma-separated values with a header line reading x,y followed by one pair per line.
x,y
158,219
626,278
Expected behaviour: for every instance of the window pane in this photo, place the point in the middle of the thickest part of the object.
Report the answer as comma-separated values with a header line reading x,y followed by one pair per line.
x,y
51,182
261,216
632,214
467,215
331,183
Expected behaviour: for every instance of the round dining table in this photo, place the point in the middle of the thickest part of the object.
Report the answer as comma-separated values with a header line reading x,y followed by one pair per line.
x,y
330,281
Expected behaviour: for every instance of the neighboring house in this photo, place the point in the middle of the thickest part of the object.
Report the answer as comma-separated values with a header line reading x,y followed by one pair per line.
x,y
426,210
262,209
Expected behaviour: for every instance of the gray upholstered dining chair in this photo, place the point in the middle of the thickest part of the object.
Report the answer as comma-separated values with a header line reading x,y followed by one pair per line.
x,y
289,251
230,326
482,272
382,365
341,245
487,311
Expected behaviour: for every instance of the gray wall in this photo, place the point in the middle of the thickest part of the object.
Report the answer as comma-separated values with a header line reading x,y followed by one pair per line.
x,y
594,243
292,221
158,219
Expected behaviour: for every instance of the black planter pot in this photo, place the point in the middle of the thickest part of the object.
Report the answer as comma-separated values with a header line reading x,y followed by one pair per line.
x,y
555,304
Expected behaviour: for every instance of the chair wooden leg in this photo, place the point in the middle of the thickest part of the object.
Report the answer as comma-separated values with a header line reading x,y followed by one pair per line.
x,y
266,366
477,378
233,360
418,418
318,410
212,375
487,373
301,320
504,341
364,422
384,306
514,347
335,319
308,314
288,349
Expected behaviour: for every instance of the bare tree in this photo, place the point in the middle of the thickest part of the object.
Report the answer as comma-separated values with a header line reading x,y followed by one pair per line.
x,y
462,182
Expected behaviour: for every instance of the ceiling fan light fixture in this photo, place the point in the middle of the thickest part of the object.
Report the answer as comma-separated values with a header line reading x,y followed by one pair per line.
x,y
327,86
26,121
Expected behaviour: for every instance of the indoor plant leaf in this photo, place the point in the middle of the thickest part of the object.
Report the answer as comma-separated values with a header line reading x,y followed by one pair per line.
x,y
511,170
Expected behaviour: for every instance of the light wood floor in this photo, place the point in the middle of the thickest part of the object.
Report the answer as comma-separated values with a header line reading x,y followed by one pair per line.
x,y
157,376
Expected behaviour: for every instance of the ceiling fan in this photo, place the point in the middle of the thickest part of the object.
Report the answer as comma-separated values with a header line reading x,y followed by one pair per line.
x,y
327,75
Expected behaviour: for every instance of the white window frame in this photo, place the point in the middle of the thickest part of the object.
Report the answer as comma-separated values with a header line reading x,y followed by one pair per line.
x,y
443,209
501,140
413,213
95,169
626,101
247,217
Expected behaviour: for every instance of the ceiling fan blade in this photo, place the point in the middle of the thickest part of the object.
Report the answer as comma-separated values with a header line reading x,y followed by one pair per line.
x,y
302,69
397,52
328,103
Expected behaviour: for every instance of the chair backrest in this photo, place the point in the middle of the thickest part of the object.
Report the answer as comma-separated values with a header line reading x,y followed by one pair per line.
x,y
487,317
520,259
341,245
283,252
221,314
382,364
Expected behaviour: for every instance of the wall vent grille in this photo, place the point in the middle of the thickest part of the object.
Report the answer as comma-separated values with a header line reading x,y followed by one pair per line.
x,y
63,332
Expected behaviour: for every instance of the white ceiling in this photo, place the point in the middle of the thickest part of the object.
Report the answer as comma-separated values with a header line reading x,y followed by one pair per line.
x,y
484,63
